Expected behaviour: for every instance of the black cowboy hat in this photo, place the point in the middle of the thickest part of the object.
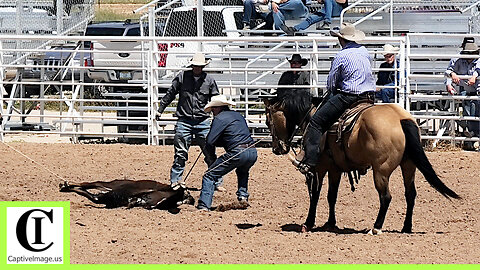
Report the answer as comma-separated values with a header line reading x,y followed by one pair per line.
x,y
298,58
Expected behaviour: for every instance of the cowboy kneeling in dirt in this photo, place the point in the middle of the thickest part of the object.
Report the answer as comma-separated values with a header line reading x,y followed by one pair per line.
x,y
230,131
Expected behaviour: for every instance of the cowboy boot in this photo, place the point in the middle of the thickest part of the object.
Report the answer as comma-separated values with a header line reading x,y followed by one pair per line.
x,y
311,144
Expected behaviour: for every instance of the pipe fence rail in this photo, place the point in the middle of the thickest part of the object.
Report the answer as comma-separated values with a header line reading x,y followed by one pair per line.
x,y
59,97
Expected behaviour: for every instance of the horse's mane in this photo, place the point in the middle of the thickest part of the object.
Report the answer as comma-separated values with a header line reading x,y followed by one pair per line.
x,y
295,103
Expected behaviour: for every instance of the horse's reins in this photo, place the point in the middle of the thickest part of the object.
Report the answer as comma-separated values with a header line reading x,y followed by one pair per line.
x,y
289,141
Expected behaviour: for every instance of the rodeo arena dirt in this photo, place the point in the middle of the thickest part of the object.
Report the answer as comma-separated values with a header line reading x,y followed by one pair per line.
x,y
48,103
444,231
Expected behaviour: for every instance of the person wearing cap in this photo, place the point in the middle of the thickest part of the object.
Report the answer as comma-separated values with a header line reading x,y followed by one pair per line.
x,y
230,131
388,77
195,89
466,87
296,76
287,10
331,8
350,79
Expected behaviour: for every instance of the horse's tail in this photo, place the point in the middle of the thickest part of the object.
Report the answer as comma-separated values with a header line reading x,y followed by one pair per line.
x,y
414,151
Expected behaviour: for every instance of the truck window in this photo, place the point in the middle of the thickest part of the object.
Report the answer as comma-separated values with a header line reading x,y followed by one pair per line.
x,y
134,32
213,24
104,31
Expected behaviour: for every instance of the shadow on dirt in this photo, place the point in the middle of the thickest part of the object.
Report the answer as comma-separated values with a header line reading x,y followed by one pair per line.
x,y
244,226
298,228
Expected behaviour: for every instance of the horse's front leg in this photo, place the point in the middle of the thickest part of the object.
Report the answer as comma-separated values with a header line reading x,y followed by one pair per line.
x,y
314,184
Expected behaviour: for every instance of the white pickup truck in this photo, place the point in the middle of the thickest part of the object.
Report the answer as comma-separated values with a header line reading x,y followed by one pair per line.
x,y
114,53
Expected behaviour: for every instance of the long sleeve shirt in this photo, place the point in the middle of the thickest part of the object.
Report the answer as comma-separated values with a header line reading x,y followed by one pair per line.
x,y
387,76
229,129
351,71
193,93
461,66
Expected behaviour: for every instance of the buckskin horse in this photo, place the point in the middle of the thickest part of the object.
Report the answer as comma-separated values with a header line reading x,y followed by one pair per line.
x,y
383,138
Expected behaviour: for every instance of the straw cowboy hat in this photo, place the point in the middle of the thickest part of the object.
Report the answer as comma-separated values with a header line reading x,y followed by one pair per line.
x,y
389,49
218,101
298,58
348,32
198,59
470,48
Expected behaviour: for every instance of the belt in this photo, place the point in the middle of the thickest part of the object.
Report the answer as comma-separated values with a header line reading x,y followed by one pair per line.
x,y
243,146
367,95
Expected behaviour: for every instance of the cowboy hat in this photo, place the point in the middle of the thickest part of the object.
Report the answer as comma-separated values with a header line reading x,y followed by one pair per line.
x,y
348,32
198,59
218,101
470,48
389,49
298,58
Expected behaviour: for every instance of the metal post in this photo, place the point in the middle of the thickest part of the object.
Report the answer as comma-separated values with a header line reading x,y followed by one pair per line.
x,y
391,18
42,89
401,83
407,82
19,26
151,79
59,17
314,73
200,23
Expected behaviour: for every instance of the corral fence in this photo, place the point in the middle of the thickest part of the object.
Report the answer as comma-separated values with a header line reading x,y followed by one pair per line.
x,y
245,68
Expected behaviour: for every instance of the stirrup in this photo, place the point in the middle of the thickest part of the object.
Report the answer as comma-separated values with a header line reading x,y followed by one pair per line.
x,y
305,169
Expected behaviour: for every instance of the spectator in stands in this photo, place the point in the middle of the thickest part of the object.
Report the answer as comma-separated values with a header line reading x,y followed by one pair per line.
x,y
256,9
387,77
466,87
287,10
195,89
331,8
230,131
295,76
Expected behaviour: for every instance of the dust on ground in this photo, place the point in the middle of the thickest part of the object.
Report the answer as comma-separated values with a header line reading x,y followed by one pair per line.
x,y
444,231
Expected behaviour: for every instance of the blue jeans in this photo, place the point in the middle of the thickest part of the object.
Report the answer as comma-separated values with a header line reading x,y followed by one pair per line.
x,y
293,9
249,14
241,161
386,94
330,9
185,129
471,108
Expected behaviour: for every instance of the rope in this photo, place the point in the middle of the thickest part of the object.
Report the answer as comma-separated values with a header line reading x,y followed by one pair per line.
x,y
250,146
38,164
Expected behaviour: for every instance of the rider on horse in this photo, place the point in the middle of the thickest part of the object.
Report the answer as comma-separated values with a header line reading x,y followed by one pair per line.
x,y
350,80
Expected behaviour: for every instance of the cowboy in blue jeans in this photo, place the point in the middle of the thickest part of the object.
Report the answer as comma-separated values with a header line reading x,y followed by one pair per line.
x,y
331,8
230,131
195,89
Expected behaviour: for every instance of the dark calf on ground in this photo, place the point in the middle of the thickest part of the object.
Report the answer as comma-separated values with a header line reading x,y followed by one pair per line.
x,y
145,193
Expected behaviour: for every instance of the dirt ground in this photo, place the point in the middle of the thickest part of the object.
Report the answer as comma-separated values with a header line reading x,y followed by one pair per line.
x,y
444,231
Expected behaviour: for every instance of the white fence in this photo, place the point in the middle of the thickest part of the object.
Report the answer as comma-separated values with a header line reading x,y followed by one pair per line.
x,y
70,104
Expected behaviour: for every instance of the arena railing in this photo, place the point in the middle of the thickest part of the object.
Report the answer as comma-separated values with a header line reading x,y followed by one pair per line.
x,y
244,67
439,113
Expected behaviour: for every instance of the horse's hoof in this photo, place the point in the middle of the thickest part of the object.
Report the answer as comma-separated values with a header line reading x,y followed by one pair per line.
x,y
306,228
375,232
407,230
64,186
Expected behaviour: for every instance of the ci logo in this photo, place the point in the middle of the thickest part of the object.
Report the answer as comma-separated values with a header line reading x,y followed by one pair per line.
x,y
38,244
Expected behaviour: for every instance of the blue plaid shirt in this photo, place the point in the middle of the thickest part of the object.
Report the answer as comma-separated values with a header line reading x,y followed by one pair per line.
x,y
351,71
